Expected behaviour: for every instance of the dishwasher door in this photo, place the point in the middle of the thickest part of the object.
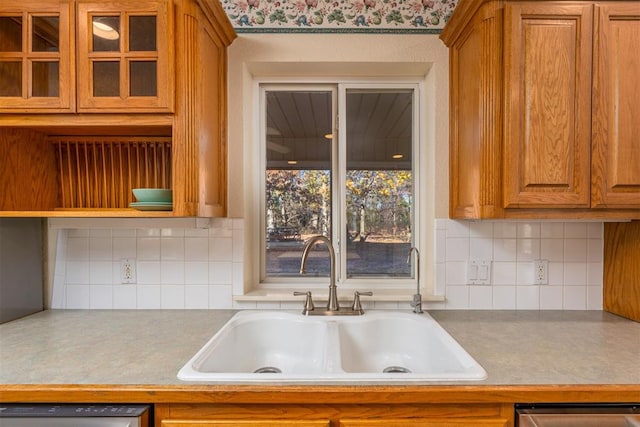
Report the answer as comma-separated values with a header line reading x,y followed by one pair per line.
x,y
44,415
578,416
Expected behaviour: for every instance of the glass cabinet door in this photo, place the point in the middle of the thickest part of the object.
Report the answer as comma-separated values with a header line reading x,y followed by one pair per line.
x,y
124,56
35,56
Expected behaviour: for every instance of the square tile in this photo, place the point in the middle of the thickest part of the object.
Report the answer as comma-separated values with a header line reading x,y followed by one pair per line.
x,y
100,249
220,296
196,273
552,230
575,298
457,249
527,298
220,273
172,248
148,248
480,297
220,249
196,297
172,296
77,297
101,297
528,230
124,297
149,297
504,297
172,272
575,250
551,297
196,249
457,297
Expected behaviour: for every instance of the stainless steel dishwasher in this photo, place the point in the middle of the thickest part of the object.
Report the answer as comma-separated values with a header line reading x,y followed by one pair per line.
x,y
583,415
45,415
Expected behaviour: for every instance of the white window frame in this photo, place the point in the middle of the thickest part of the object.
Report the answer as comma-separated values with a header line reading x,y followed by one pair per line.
x,y
339,87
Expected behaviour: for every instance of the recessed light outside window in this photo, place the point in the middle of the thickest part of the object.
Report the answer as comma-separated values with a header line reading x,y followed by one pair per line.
x,y
329,136
292,162
105,31
398,156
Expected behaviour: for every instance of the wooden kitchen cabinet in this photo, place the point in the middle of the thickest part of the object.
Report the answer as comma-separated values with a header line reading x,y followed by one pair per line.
x,y
74,164
125,55
36,56
120,53
542,109
336,415
426,422
246,423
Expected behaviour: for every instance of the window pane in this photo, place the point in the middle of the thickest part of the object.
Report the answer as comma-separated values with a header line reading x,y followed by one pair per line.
x,y
106,78
46,34
46,79
10,34
106,33
143,78
10,78
298,180
379,182
142,33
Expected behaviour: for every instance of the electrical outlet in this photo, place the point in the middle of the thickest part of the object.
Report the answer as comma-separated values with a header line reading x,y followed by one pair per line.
x,y
128,270
540,272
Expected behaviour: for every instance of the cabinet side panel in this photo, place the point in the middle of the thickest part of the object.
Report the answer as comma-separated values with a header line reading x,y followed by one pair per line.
x,y
185,144
475,154
548,84
465,137
213,151
28,175
622,269
616,124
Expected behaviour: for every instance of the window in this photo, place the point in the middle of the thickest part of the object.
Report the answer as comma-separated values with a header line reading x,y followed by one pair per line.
x,y
340,160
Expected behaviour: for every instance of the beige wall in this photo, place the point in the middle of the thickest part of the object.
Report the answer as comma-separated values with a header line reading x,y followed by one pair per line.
x,y
278,56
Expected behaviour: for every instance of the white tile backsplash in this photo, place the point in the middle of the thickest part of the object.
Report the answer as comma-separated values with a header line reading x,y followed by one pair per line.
x,y
200,268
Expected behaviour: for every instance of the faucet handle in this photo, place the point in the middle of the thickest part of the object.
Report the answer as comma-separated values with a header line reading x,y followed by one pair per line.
x,y
308,302
356,301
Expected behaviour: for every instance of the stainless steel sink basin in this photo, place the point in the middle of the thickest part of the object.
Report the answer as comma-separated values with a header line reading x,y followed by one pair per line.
x,y
279,346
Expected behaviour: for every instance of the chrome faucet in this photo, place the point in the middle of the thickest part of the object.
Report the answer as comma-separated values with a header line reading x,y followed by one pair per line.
x,y
333,307
417,297
332,304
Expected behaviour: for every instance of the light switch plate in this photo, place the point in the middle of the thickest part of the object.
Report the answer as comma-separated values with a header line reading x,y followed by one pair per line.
x,y
479,272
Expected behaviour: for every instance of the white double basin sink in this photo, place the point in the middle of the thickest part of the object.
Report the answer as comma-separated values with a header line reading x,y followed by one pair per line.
x,y
282,346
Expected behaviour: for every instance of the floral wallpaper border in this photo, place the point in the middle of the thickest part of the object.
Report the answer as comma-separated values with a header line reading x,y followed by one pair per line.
x,y
337,16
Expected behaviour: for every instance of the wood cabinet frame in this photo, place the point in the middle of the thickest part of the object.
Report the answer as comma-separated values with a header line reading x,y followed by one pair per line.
x,y
508,158
65,101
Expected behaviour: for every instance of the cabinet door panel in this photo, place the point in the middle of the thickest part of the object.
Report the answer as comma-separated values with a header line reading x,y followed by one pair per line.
x,y
125,56
426,422
547,80
36,56
243,423
616,107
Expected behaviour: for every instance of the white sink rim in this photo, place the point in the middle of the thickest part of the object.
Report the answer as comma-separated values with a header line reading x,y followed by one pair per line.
x,y
331,353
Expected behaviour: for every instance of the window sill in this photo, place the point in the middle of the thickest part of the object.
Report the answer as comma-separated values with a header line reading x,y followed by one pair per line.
x,y
285,294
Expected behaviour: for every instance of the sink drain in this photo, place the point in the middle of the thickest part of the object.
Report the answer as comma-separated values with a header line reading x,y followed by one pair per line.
x,y
396,370
267,370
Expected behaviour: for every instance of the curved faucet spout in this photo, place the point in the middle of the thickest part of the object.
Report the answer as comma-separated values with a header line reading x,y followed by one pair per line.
x,y
332,304
417,297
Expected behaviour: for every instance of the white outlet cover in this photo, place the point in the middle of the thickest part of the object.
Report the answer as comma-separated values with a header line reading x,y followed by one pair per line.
x,y
540,272
127,270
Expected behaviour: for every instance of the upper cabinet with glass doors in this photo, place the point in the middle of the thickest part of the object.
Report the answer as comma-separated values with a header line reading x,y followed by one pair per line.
x,y
36,54
124,52
86,56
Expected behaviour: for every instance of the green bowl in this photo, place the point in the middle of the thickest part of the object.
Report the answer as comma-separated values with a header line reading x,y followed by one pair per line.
x,y
152,195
